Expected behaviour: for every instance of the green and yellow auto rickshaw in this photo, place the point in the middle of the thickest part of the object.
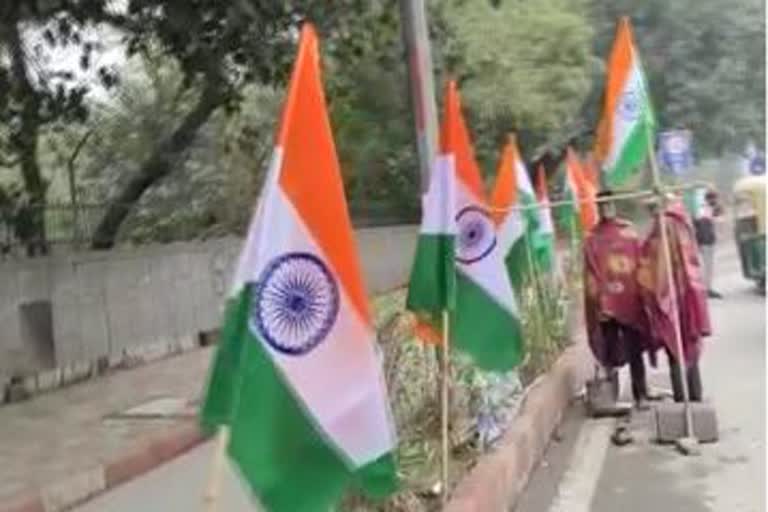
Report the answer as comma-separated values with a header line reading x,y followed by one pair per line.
x,y
749,226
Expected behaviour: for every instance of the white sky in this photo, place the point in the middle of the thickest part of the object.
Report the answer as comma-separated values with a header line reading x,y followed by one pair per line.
x,y
109,51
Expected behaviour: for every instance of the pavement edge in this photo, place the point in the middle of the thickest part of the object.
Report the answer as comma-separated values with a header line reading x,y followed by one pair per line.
x,y
498,480
64,494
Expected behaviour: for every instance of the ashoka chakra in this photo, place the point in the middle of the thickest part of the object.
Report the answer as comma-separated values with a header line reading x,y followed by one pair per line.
x,y
477,235
295,303
630,104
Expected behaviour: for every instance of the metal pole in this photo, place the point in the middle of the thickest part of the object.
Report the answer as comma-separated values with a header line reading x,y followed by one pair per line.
x,y
75,207
422,86
415,34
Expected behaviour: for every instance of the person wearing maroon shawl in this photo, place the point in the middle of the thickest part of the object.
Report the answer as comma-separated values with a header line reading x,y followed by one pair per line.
x,y
689,296
616,325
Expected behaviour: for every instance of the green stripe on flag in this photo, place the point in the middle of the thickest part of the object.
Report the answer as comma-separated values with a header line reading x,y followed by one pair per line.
x,y
531,215
432,286
568,214
481,327
282,454
632,155
217,407
544,251
517,263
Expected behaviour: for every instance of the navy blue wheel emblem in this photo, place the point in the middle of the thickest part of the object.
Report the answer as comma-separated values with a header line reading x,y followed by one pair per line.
x,y
295,303
629,104
476,235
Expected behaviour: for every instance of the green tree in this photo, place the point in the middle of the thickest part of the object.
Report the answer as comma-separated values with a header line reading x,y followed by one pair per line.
x,y
219,48
705,61
523,66
216,179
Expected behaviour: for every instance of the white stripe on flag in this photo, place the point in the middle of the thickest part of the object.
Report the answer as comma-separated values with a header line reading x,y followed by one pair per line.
x,y
622,125
437,203
339,382
489,273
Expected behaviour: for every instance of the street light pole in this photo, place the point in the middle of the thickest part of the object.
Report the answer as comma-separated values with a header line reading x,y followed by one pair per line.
x,y
413,16
422,85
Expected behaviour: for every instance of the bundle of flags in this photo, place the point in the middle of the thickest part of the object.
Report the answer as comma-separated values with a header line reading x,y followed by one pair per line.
x,y
297,378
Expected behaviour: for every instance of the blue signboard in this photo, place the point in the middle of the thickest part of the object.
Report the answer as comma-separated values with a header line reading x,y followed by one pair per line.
x,y
675,151
757,163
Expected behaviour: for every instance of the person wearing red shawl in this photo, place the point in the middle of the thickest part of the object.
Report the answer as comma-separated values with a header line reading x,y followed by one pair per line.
x,y
689,296
616,325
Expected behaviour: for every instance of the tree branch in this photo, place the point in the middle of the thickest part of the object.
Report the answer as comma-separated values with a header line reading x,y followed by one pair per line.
x,y
78,148
159,164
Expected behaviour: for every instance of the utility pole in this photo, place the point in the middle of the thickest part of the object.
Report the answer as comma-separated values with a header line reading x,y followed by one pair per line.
x,y
413,16
422,84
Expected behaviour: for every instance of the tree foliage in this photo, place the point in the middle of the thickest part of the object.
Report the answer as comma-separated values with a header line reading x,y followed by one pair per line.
x,y
523,67
174,138
219,48
705,61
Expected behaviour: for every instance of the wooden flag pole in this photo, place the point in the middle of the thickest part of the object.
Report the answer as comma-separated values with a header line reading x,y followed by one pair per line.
x,y
689,432
536,289
444,406
213,487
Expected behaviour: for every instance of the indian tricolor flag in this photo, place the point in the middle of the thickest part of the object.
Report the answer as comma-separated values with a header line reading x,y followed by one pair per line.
x,y
591,170
296,376
626,130
579,190
695,202
486,323
545,243
432,284
517,229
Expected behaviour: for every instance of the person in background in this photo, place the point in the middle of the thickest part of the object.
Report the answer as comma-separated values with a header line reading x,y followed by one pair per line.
x,y
687,307
706,237
616,324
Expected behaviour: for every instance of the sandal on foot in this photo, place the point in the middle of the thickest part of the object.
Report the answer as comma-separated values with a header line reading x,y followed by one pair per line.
x,y
621,437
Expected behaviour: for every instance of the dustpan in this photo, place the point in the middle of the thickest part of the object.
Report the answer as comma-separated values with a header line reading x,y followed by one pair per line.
x,y
669,422
603,395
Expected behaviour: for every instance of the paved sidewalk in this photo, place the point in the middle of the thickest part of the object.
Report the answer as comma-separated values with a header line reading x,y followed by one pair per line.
x,y
584,472
63,447
68,432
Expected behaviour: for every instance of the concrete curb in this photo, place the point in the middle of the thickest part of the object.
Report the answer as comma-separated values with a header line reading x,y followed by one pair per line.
x,y
64,494
496,483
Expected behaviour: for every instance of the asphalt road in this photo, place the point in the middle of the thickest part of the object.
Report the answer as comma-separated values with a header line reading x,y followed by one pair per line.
x,y
583,471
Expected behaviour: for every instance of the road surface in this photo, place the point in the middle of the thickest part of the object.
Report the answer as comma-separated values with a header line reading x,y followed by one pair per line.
x,y
584,472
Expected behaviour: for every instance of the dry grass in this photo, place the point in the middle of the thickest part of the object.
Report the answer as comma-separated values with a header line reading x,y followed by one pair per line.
x,y
412,375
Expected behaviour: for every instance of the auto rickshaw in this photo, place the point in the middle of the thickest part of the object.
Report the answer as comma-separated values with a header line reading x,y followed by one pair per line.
x,y
749,226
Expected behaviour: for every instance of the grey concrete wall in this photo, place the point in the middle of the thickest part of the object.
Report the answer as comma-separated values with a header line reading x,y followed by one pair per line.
x,y
108,304
20,284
